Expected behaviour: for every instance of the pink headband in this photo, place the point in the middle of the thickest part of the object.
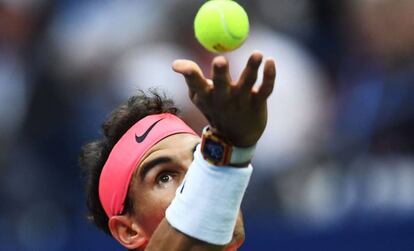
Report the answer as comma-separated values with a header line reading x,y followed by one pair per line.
x,y
127,154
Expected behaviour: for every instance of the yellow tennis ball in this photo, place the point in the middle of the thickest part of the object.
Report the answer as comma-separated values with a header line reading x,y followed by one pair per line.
x,y
221,25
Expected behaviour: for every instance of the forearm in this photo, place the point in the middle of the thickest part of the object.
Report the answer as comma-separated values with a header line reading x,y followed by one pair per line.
x,y
204,217
166,237
239,113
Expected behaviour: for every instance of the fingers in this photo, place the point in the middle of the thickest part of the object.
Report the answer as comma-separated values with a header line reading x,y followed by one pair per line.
x,y
193,76
201,86
221,75
269,75
249,74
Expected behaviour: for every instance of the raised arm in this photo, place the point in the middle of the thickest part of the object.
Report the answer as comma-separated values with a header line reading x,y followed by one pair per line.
x,y
238,113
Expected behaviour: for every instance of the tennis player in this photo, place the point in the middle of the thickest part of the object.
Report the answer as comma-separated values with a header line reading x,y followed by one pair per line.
x,y
154,184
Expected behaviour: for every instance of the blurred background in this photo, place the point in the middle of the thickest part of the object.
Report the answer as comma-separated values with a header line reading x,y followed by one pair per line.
x,y
333,171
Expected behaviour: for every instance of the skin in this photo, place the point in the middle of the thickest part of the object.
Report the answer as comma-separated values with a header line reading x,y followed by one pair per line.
x,y
153,193
238,113
235,109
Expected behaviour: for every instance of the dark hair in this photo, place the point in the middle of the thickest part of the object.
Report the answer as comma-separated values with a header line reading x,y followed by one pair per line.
x,y
95,154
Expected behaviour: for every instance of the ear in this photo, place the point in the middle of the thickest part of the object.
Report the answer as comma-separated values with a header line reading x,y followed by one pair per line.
x,y
127,232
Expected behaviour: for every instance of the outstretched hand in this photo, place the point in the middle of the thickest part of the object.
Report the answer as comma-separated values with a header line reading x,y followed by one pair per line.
x,y
235,109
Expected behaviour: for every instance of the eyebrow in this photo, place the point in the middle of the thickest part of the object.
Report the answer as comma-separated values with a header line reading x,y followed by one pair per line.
x,y
161,160
151,164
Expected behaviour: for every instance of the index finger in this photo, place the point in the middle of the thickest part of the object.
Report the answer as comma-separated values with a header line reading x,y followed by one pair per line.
x,y
193,75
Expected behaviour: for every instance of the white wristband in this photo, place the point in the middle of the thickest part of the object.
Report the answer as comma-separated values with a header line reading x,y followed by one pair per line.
x,y
207,202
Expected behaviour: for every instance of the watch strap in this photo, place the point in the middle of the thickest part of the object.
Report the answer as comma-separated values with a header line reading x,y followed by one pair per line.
x,y
241,155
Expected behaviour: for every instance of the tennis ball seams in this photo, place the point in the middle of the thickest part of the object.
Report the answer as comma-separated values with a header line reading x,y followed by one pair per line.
x,y
224,24
221,25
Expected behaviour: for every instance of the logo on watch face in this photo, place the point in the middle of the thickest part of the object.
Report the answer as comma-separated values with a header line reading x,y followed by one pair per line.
x,y
142,137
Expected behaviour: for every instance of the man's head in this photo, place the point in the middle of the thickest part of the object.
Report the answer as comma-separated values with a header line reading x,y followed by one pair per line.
x,y
155,177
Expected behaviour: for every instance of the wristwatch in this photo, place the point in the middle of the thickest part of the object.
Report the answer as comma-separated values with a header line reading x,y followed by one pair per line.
x,y
220,153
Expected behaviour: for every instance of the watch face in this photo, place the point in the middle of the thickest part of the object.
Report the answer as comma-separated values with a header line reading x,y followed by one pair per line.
x,y
213,150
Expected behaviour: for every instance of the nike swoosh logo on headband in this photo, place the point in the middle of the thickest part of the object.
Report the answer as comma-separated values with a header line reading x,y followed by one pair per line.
x,y
142,137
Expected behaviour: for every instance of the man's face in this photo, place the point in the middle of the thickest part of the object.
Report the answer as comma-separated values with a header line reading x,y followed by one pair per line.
x,y
157,177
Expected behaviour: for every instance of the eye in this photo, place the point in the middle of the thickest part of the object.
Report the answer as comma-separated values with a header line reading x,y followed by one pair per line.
x,y
164,178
